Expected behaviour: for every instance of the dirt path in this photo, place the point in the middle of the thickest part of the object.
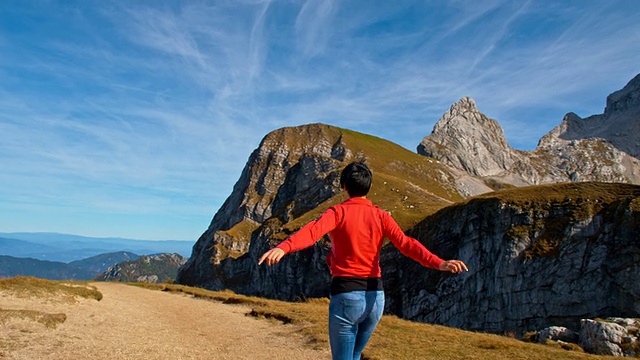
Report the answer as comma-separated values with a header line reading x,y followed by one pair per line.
x,y
135,323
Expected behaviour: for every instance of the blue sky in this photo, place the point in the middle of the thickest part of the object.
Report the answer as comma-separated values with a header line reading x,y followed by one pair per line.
x,y
135,118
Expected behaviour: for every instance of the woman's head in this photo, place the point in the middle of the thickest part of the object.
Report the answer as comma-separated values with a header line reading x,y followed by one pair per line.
x,y
356,179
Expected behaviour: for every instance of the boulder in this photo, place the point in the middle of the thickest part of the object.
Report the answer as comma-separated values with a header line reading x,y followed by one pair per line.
x,y
558,333
602,338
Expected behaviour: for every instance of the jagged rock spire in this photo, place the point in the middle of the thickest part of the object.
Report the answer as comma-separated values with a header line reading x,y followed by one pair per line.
x,y
467,140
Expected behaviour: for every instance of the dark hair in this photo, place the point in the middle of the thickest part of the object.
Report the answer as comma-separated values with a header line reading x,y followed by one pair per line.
x,y
356,178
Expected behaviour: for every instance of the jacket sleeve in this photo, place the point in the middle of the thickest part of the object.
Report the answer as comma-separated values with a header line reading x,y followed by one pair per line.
x,y
408,246
310,233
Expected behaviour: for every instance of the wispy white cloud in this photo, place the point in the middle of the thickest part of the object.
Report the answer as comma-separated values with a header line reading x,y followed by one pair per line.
x,y
496,37
313,26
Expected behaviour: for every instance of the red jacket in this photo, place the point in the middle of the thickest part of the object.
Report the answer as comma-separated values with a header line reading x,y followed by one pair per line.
x,y
357,229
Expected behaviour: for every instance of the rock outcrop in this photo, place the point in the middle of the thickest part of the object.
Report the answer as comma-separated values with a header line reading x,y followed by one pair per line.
x,y
538,256
602,147
613,336
558,333
467,140
610,336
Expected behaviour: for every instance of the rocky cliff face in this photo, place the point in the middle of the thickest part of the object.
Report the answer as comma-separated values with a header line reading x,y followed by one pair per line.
x,y
289,180
602,147
306,160
538,256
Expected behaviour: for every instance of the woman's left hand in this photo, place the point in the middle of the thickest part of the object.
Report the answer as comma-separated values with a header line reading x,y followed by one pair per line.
x,y
453,266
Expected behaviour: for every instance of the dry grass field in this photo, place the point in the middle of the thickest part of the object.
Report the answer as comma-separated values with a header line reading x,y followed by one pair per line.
x,y
50,320
27,287
394,338
74,320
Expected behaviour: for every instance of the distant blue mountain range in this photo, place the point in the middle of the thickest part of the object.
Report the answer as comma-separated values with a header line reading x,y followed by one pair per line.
x,y
52,270
67,248
85,269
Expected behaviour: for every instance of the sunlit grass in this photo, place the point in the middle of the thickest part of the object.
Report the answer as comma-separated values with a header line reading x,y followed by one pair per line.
x,y
45,290
408,185
44,318
25,286
310,315
394,338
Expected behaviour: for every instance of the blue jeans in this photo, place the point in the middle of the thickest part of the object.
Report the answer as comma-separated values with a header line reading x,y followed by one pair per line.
x,y
352,318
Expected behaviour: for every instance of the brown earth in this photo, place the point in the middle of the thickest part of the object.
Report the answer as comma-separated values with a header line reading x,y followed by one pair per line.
x,y
135,323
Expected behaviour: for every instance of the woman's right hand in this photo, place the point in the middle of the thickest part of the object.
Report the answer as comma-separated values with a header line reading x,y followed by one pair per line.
x,y
272,256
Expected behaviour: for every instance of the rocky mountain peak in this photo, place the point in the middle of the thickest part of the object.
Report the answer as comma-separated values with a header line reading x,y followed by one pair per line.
x,y
570,124
467,140
292,171
619,125
464,105
257,195
461,117
626,98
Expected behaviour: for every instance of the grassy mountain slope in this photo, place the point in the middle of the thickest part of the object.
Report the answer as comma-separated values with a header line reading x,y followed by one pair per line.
x,y
289,180
153,268
408,185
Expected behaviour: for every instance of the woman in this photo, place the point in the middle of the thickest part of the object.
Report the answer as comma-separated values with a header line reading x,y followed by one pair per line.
x,y
357,229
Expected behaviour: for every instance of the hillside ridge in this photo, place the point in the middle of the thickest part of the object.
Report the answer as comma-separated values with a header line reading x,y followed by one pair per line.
x,y
289,180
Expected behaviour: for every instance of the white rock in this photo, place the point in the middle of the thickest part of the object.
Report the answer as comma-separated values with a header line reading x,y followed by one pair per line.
x,y
557,333
602,338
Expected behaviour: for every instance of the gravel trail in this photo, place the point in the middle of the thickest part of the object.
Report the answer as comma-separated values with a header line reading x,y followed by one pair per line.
x,y
136,323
